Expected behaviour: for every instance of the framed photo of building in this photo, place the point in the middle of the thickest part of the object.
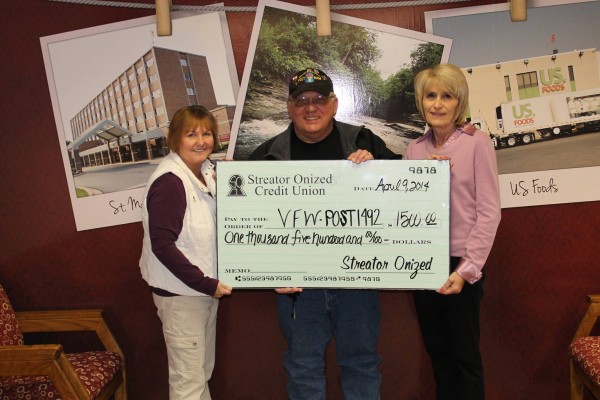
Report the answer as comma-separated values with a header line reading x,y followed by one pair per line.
x,y
114,89
535,88
371,65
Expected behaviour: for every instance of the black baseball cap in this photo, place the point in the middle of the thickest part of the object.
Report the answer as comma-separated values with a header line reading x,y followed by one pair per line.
x,y
310,80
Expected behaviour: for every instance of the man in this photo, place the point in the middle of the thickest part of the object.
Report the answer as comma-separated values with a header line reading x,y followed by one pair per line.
x,y
310,318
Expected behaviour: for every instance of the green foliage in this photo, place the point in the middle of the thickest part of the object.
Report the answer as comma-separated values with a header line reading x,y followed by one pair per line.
x,y
426,56
279,50
81,193
355,47
399,88
288,43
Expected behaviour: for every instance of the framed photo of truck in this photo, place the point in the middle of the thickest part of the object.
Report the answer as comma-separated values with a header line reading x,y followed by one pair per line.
x,y
534,87
544,117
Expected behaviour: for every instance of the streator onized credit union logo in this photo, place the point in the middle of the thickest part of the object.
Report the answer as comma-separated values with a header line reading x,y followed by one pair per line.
x,y
236,186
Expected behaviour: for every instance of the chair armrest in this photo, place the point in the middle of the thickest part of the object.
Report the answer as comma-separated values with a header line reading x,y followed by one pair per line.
x,y
49,360
590,317
58,321
29,353
69,321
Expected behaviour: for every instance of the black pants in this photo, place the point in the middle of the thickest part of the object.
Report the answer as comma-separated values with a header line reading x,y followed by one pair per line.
x,y
450,330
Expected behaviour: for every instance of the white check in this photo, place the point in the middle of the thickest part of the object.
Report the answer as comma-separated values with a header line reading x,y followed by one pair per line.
x,y
381,224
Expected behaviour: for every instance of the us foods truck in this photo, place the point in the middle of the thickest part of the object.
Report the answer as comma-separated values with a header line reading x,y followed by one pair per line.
x,y
524,121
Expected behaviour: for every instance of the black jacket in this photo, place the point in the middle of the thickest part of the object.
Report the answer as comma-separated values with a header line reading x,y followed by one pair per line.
x,y
353,137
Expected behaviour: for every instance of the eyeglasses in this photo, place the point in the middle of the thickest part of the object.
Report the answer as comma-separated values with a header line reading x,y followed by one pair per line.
x,y
302,101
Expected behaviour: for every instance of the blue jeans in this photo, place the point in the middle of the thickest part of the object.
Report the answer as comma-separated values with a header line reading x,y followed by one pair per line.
x,y
351,317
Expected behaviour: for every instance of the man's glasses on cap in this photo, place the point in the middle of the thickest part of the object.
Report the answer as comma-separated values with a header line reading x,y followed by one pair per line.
x,y
302,101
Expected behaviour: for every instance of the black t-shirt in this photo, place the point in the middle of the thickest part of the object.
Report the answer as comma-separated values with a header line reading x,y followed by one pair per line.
x,y
329,148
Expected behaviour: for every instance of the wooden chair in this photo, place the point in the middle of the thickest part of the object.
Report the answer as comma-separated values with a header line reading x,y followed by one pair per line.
x,y
584,354
46,371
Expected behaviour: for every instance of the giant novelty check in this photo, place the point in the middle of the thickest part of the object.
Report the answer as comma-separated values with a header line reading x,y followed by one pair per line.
x,y
382,224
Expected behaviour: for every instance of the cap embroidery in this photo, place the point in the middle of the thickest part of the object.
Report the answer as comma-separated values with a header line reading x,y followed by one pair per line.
x,y
310,79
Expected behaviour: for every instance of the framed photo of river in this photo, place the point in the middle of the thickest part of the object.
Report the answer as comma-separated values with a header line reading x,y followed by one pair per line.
x,y
382,224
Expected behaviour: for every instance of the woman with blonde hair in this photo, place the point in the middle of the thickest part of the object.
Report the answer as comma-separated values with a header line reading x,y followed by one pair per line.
x,y
449,317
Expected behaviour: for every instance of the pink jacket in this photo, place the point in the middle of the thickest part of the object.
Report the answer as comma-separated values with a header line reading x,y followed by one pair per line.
x,y
474,194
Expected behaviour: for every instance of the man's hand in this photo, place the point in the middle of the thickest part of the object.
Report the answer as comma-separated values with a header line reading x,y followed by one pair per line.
x,y
360,155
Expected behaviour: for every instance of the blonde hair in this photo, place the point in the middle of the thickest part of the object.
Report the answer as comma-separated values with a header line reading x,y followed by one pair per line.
x,y
447,77
187,119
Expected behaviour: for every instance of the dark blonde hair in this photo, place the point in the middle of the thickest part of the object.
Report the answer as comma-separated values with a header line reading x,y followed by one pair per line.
x,y
187,119
446,77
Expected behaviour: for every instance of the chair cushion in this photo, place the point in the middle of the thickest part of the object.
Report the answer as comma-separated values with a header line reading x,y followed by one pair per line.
x,y
9,328
26,387
585,351
95,369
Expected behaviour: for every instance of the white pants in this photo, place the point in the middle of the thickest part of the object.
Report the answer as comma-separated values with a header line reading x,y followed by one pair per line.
x,y
189,326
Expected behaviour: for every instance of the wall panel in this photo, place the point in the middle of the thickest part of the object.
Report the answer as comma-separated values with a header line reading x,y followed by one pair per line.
x,y
544,263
